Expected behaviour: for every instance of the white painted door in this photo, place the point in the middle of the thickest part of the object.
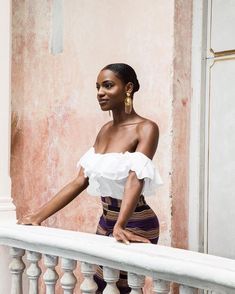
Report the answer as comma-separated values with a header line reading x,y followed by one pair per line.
x,y
220,134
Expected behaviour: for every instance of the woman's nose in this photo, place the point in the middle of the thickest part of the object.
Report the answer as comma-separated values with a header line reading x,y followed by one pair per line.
x,y
100,92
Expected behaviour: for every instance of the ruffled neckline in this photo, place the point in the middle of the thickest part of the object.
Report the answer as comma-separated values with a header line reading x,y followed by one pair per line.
x,y
107,172
121,153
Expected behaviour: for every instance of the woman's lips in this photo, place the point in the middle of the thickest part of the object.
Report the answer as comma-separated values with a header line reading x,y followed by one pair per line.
x,y
103,102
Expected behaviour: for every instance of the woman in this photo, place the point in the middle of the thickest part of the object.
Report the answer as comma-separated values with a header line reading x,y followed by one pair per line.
x,y
118,168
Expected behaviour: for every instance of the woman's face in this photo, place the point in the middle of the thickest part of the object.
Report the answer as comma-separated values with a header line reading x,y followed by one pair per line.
x,y
111,91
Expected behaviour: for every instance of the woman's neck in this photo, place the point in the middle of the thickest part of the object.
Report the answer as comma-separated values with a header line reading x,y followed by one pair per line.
x,y
120,116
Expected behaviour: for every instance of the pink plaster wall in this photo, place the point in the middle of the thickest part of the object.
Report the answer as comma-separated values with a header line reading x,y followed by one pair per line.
x,y
55,113
181,122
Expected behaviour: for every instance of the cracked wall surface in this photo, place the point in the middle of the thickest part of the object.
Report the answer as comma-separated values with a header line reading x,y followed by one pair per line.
x,y
55,115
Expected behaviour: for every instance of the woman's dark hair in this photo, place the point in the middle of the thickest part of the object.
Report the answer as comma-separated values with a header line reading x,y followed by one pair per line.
x,y
125,73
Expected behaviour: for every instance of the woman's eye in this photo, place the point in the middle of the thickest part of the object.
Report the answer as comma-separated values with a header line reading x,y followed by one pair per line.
x,y
108,86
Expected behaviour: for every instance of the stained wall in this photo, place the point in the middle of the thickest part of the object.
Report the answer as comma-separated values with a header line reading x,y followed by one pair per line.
x,y
57,54
181,122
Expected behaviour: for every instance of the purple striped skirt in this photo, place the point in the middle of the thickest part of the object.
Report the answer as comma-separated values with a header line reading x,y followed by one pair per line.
x,y
143,222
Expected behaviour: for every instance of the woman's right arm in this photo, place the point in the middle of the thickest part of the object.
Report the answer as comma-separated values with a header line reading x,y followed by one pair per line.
x,y
60,200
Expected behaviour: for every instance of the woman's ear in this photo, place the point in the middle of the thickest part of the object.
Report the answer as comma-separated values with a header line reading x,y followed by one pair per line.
x,y
129,87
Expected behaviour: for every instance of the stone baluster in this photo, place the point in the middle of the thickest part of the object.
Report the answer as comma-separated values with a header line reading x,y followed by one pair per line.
x,y
16,267
187,290
161,286
88,285
68,281
50,276
111,276
33,271
136,282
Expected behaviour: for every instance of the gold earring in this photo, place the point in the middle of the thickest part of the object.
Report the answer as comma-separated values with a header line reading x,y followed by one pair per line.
x,y
128,103
109,113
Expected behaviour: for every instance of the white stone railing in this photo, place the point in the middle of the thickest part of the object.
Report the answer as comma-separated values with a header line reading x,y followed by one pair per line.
x,y
191,270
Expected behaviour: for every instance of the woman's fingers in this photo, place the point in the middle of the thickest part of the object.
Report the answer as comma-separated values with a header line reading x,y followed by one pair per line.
x,y
28,223
28,220
126,237
135,238
122,237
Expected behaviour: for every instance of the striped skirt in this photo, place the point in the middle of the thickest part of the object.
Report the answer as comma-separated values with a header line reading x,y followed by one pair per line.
x,y
143,222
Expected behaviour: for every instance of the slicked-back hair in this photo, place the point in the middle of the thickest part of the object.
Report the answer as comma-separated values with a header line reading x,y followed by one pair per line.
x,y
125,73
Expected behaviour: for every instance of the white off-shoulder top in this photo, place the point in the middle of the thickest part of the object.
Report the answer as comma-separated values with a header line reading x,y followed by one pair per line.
x,y
108,172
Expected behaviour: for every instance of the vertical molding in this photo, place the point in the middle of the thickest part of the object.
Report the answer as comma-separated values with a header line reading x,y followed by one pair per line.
x,y
57,27
181,120
197,127
7,209
205,133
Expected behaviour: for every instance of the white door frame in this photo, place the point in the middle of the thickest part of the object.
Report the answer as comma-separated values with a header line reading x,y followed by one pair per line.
x,y
198,130
7,208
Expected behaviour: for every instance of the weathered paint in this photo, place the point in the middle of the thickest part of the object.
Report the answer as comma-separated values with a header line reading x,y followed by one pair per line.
x,y
54,100
181,122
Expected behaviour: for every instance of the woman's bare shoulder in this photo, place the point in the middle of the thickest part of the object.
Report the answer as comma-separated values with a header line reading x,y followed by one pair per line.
x,y
148,135
102,130
147,126
105,127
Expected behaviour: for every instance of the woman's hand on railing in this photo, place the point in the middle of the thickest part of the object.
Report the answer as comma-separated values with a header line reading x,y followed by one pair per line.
x,y
60,200
126,236
29,219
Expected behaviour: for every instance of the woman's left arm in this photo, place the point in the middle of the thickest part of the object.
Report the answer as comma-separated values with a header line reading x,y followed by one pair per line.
x,y
148,135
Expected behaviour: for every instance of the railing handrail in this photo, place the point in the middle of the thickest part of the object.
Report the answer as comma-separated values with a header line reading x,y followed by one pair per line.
x,y
182,266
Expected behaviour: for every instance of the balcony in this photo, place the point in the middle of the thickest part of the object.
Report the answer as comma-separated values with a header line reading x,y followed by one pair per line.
x,y
191,270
